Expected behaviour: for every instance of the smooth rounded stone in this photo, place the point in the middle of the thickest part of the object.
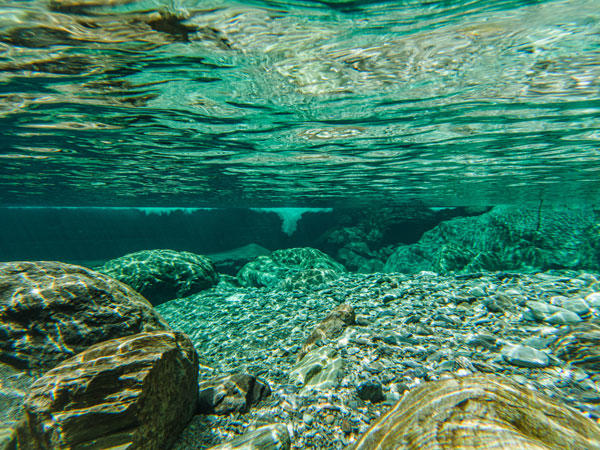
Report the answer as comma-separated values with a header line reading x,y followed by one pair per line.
x,y
524,356
231,393
330,327
352,351
564,317
538,342
161,275
581,346
329,419
308,419
540,310
50,311
269,437
496,304
482,340
138,391
576,305
593,300
363,321
319,369
476,291
479,412
289,269
371,391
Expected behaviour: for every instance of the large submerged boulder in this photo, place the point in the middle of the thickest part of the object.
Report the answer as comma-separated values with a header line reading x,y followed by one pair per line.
x,y
162,275
50,311
292,268
133,392
506,238
477,412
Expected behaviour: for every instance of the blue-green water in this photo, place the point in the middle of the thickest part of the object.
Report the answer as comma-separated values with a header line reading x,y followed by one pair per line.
x,y
300,103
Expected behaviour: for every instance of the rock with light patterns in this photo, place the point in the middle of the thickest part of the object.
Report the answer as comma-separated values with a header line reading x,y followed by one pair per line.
x,y
50,311
580,346
330,327
479,412
161,275
136,392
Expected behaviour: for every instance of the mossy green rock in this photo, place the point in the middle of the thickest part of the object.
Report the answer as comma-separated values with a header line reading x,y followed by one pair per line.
x,y
480,412
162,275
293,268
506,238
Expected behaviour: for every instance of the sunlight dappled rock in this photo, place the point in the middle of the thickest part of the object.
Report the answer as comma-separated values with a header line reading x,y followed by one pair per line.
x,y
50,311
291,268
480,411
161,275
505,238
133,392
231,393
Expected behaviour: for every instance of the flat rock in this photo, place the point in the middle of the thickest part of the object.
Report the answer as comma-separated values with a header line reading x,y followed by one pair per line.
x,y
576,305
231,393
292,268
524,356
268,437
133,392
161,275
540,310
476,412
564,317
50,311
319,369
330,327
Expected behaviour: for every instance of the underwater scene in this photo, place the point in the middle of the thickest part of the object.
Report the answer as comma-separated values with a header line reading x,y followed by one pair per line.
x,y
300,224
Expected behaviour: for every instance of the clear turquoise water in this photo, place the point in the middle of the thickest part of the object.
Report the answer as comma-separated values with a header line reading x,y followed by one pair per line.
x,y
298,103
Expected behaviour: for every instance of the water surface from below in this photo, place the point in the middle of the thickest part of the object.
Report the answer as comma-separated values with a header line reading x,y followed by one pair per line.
x,y
215,103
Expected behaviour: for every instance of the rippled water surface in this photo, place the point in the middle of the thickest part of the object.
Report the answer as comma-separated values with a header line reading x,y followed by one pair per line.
x,y
263,103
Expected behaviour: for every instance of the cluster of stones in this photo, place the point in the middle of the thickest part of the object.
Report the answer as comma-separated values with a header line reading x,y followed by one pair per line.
x,y
339,356
86,362
502,360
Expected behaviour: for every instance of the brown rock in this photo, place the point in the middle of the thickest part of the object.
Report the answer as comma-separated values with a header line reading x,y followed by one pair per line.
x,y
50,311
231,393
480,412
330,327
581,346
134,392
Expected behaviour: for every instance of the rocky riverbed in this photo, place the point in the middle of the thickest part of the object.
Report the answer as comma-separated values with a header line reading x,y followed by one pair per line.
x,y
541,330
